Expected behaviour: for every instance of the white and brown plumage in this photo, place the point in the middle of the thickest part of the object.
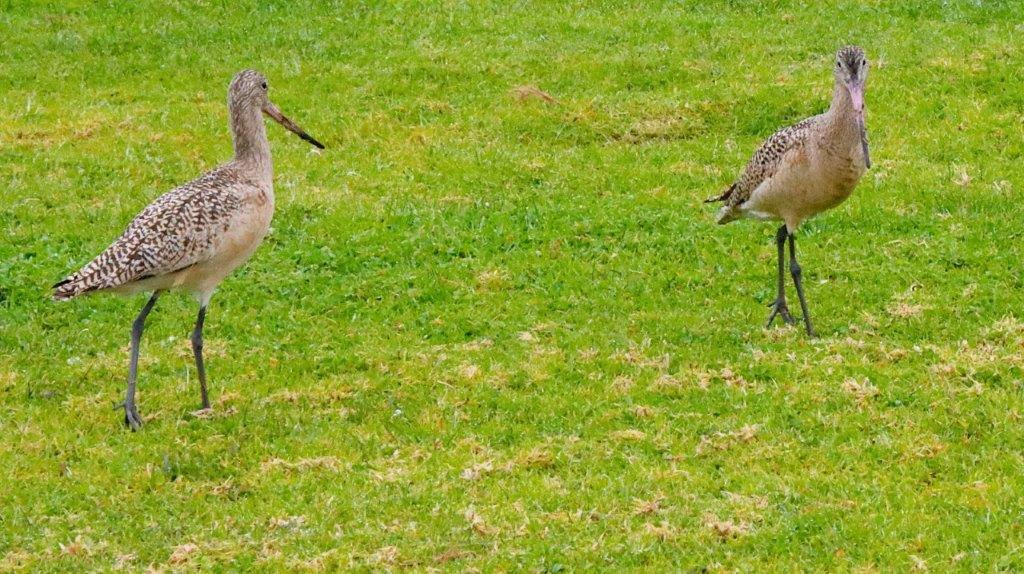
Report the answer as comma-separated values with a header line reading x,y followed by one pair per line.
x,y
194,236
805,169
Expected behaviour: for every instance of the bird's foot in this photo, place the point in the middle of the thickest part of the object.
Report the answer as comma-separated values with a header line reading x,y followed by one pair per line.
x,y
779,309
203,413
131,417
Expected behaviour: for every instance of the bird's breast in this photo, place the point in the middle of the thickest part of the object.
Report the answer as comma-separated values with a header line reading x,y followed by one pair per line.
x,y
263,198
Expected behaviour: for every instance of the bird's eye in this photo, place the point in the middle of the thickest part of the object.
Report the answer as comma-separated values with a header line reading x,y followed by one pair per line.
x,y
263,85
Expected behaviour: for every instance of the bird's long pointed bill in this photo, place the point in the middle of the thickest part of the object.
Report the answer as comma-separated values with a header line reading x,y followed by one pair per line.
x,y
864,141
272,111
857,98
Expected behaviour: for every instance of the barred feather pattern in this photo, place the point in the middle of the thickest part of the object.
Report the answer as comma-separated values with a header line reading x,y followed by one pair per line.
x,y
179,229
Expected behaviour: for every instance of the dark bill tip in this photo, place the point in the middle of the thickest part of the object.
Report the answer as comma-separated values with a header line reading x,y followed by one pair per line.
x,y
272,111
864,141
311,140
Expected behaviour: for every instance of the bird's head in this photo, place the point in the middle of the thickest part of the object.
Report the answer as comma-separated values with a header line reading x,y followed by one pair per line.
x,y
249,91
851,71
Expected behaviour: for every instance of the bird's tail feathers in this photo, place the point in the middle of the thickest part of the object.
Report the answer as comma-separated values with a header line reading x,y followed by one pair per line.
x,y
66,289
73,286
723,196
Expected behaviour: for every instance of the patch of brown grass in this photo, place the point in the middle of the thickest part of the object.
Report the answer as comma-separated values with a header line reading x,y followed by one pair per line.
x,y
536,458
478,470
904,310
452,554
182,553
528,92
328,463
861,391
662,531
628,435
648,507
492,280
726,440
726,529
387,555
477,523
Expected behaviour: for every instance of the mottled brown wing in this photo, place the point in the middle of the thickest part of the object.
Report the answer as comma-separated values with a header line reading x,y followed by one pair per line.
x,y
174,232
766,161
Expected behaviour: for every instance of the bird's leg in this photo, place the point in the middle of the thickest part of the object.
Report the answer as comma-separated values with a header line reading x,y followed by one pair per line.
x,y
131,413
797,272
197,350
779,308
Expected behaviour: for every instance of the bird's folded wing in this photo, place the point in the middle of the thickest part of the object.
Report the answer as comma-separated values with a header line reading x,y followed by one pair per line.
x,y
766,161
180,229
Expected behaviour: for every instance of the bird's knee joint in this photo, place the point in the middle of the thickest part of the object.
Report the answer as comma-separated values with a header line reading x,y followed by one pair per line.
x,y
197,341
795,269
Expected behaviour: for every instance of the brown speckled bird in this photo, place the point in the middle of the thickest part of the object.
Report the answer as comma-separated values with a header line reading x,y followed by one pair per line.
x,y
193,236
805,169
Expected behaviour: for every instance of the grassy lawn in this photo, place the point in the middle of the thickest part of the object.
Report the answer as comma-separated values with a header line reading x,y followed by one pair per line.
x,y
490,331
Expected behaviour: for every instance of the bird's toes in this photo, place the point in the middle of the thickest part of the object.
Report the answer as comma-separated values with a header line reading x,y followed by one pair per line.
x,y
203,413
779,309
132,419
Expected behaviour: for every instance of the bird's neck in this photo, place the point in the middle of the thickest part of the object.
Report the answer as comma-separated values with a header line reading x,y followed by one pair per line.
x,y
842,118
251,145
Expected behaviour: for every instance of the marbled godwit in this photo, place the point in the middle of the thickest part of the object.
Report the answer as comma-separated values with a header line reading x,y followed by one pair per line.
x,y
192,237
805,169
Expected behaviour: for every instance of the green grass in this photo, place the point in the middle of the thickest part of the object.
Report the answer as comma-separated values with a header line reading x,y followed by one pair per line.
x,y
500,334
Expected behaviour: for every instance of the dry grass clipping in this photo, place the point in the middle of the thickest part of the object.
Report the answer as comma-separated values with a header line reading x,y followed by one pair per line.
x,y
527,93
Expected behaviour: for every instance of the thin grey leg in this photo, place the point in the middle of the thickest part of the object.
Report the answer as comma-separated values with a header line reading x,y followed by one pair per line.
x,y
779,308
197,350
797,272
131,413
